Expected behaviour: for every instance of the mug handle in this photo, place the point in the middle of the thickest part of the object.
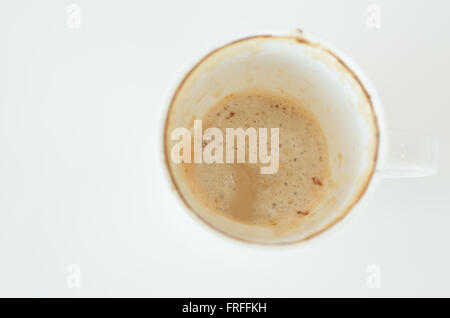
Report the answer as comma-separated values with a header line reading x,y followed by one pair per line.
x,y
410,154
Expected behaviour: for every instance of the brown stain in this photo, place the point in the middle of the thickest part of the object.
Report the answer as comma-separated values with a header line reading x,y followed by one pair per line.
x,y
316,181
301,40
230,115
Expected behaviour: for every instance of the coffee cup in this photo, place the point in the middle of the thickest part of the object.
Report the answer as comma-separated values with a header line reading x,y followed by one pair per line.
x,y
362,148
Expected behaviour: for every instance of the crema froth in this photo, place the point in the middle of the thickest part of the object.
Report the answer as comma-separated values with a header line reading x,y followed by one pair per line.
x,y
238,190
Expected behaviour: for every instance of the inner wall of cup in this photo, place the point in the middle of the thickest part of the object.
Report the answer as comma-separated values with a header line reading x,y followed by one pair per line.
x,y
325,86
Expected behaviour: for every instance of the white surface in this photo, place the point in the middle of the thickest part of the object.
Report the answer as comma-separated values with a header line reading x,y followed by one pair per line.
x,y
81,181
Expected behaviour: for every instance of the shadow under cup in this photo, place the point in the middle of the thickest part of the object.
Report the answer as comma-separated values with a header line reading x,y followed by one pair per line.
x,y
309,72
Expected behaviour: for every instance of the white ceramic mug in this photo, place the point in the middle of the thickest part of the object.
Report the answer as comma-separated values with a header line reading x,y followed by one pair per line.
x,y
362,149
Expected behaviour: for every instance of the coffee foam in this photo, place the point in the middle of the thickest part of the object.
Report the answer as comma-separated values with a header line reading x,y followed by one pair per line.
x,y
238,191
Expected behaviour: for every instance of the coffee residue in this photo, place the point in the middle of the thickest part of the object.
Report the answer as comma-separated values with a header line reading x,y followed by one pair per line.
x,y
239,191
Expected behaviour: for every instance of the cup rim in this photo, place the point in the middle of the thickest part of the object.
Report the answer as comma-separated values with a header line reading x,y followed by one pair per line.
x,y
349,65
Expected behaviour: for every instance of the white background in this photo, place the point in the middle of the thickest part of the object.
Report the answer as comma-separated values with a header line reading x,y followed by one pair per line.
x,y
81,181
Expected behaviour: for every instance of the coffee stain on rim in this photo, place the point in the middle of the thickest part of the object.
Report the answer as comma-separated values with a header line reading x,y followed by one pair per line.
x,y
299,38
